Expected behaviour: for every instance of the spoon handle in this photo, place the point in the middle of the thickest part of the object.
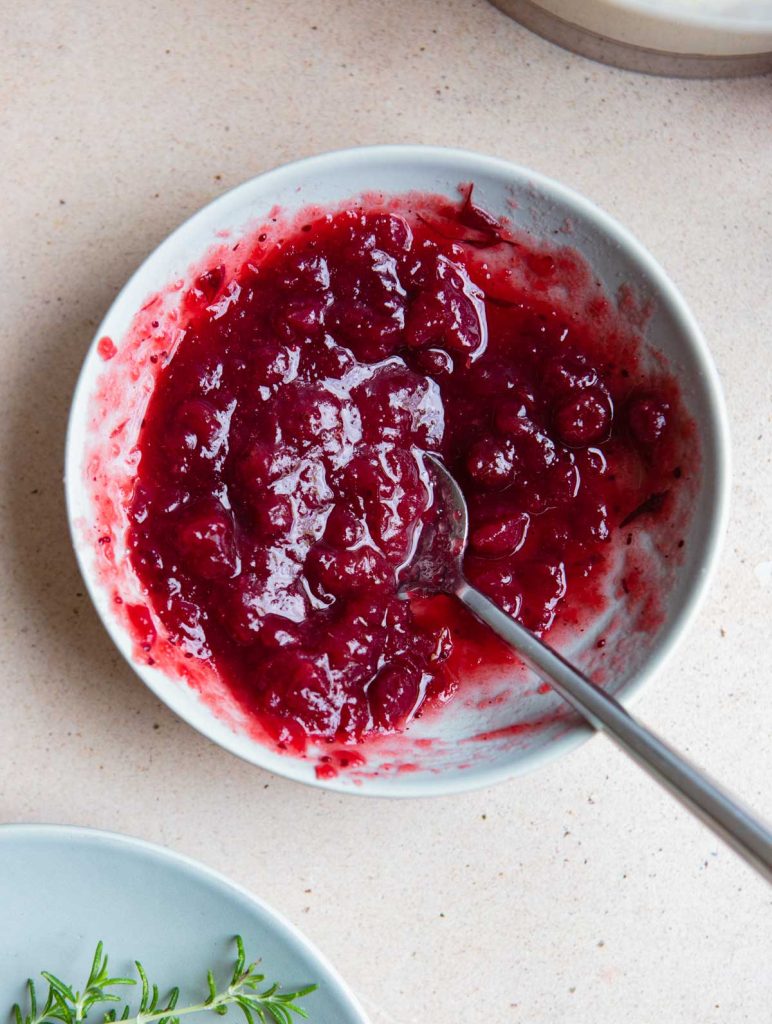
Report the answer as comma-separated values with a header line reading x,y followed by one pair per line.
x,y
748,836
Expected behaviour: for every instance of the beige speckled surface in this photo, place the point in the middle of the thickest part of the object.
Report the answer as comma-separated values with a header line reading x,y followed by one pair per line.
x,y
582,893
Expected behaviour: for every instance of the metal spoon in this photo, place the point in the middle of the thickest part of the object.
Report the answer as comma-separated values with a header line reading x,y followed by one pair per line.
x,y
437,568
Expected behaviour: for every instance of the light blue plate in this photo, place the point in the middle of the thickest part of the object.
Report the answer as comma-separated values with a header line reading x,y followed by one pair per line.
x,y
62,889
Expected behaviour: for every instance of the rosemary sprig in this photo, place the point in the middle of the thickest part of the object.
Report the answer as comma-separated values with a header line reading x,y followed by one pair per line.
x,y
65,1005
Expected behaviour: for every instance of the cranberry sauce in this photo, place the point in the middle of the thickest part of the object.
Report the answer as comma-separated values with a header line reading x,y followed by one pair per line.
x,y
281,484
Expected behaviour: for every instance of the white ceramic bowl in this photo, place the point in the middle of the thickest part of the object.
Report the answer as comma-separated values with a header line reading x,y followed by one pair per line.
x,y
690,38
466,746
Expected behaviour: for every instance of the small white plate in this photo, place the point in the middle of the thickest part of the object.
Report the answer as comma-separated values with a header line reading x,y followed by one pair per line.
x,y
63,889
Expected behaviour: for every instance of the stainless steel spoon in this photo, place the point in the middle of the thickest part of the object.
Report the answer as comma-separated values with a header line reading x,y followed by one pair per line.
x,y
437,568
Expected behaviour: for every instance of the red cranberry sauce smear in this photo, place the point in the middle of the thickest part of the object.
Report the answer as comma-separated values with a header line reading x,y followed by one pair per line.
x,y
281,484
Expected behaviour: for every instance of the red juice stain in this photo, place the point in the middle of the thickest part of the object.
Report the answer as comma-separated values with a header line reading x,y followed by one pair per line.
x,y
349,758
142,626
330,765
517,728
106,348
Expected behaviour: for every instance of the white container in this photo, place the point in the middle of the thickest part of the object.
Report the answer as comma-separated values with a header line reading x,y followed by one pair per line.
x,y
688,38
457,756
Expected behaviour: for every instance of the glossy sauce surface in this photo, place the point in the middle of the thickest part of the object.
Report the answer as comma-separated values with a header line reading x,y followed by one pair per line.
x,y
281,485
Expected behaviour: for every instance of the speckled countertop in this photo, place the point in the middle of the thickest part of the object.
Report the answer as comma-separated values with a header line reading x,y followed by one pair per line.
x,y
581,893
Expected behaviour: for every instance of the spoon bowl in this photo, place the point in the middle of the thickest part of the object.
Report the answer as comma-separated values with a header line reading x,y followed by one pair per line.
x,y
436,565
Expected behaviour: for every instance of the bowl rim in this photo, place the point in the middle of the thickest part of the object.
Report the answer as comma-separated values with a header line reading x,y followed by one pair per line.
x,y
714,20
468,163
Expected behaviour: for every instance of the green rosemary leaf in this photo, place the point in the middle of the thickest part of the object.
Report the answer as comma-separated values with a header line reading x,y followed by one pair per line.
x,y
212,988
238,967
143,999
98,968
253,981
290,1005
65,1005
59,987
33,999
246,1009
57,1006
98,997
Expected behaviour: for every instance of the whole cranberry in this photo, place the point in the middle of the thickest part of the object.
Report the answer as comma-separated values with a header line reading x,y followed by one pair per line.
x,y
534,451
564,479
489,463
500,537
301,689
276,632
201,423
274,364
488,379
511,417
425,324
207,542
312,414
274,514
302,317
305,273
393,695
565,374
584,419
326,359
337,573
449,313
257,467
393,233
398,405
344,528
240,606
353,645
435,362
647,418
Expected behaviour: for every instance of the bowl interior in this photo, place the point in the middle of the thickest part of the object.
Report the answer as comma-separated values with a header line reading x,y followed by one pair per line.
x,y
509,727
67,888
